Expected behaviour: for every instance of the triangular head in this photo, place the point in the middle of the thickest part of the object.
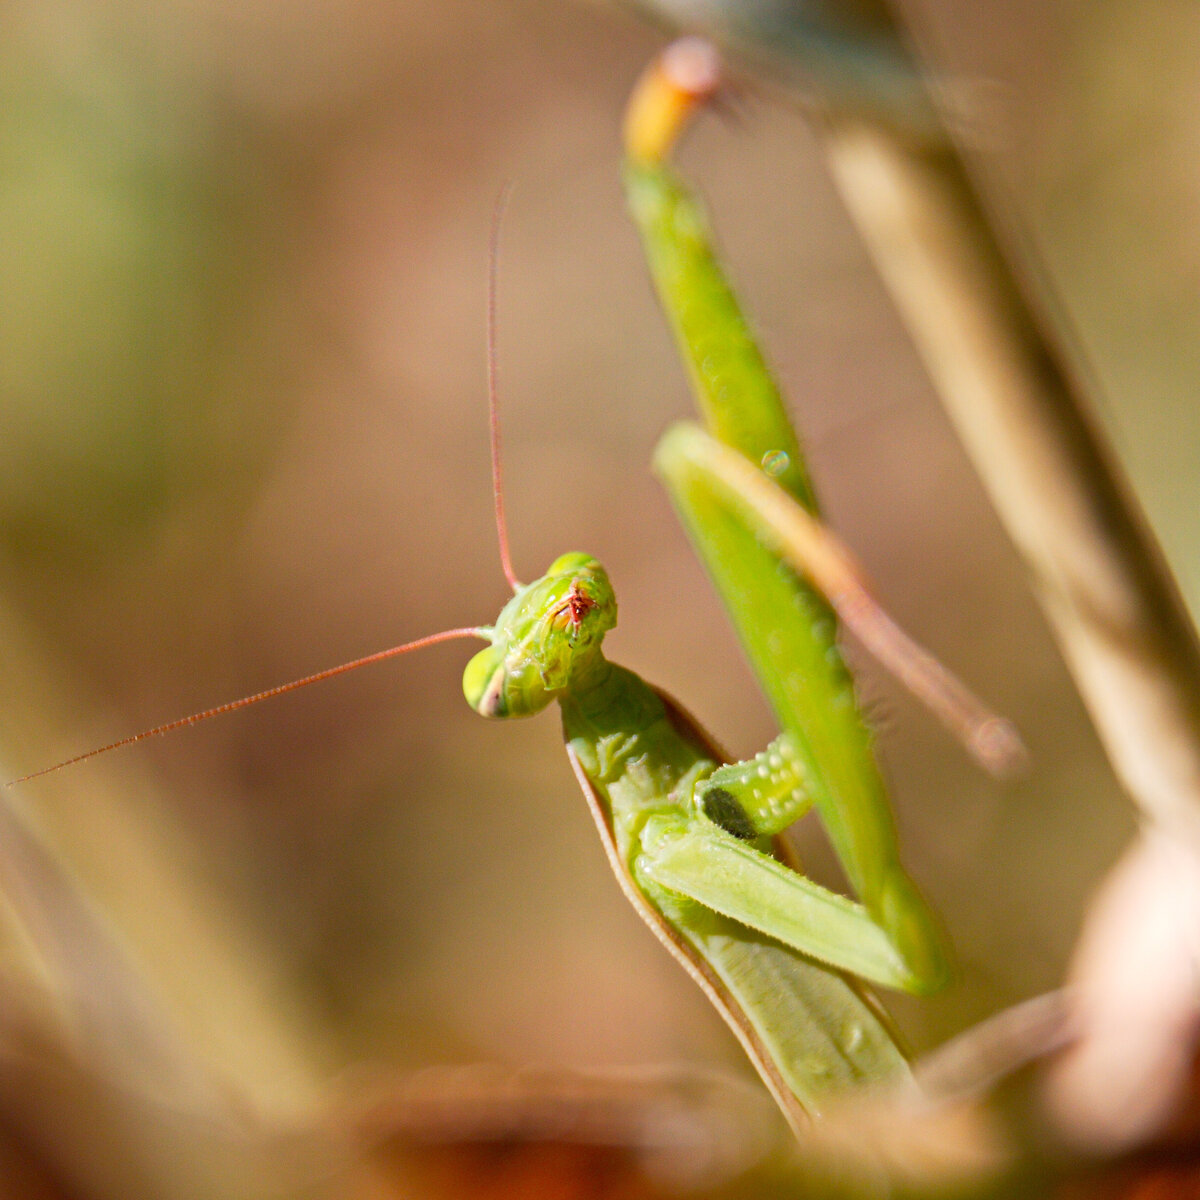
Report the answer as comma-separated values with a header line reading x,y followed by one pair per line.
x,y
546,640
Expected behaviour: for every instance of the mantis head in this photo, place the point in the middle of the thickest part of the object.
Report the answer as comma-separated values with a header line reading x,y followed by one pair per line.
x,y
545,637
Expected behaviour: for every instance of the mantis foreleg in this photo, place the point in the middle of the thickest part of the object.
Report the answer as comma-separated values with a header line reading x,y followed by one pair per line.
x,y
785,625
763,795
731,876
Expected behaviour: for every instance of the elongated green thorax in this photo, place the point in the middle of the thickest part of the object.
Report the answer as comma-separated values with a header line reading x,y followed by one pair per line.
x,y
546,639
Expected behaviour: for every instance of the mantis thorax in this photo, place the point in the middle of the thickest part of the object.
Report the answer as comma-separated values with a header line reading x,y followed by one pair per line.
x,y
546,639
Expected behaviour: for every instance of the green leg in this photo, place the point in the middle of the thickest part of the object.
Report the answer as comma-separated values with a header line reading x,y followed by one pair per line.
x,y
728,875
763,795
789,638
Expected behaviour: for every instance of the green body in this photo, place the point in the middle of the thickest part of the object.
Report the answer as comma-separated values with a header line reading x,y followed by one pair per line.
x,y
647,772
821,1032
692,840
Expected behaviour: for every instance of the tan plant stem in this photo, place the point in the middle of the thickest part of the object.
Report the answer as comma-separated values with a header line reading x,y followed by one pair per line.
x,y
1096,569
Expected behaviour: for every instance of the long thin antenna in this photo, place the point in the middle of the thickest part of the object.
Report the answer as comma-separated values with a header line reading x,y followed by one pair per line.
x,y
394,651
445,635
494,386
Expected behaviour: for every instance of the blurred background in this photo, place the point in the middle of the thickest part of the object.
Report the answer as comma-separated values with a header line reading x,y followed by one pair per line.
x,y
243,436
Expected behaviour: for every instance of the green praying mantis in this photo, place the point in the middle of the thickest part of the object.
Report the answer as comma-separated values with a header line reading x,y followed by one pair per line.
x,y
692,840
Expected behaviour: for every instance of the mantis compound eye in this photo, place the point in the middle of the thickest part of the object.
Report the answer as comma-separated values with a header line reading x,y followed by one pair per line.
x,y
497,683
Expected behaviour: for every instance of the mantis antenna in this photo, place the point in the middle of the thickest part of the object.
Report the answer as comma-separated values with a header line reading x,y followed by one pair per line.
x,y
229,706
446,635
493,363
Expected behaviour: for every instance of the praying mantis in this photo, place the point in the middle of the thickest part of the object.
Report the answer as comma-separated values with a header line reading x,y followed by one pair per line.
x,y
692,840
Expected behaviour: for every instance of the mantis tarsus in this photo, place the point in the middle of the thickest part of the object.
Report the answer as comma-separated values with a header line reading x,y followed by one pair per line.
x,y
691,840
